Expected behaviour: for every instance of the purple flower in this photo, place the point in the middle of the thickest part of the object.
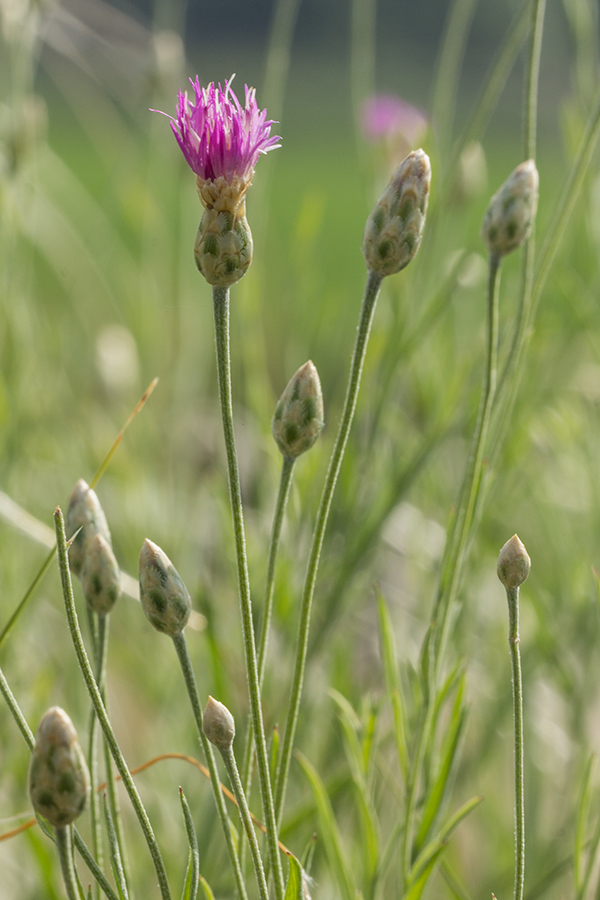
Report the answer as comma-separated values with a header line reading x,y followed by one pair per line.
x,y
388,117
218,136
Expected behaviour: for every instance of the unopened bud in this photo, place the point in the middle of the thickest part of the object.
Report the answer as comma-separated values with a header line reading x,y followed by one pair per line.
x,y
511,212
394,228
298,420
100,576
84,511
223,245
164,596
59,781
513,563
218,724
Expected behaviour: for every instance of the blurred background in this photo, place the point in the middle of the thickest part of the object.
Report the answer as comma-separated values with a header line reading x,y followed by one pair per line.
x,y
99,294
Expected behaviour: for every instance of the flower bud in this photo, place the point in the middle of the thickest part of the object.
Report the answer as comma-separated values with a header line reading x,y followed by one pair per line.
x,y
59,781
513,563
511,212
100,576
84,511
394,228
223,245
298,419
164,596
218,725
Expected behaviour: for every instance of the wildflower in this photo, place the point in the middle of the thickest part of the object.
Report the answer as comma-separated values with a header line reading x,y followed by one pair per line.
x,y
513,563
298,419
387,117
164,597
221,141
511,212
218,724
100,576
59,781
84,511
394,228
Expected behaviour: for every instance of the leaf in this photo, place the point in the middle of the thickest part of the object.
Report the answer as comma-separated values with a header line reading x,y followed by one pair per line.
x,y
392,682
192,876
207,889
294,889
330,831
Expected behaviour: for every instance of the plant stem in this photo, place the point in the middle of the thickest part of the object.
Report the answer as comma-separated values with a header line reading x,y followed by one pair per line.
x,y
456,546
64,846
236,784
192,689
512,595
283,493
96,698
221,318
360,347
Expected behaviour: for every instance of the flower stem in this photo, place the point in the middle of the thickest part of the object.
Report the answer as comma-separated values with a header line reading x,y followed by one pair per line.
x,y
221,318
458,539
64,846
512,595
236,784
192,689
360,347
96,699
283,494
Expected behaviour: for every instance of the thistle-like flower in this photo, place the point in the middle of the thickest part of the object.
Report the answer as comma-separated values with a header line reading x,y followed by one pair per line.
x,y
218,724
511,212
513,563
394,228
221,141
298,419
84,511
164,596
59,781
100,576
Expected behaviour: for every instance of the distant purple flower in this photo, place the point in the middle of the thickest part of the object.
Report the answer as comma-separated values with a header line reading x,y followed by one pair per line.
x,y
388,117
217,135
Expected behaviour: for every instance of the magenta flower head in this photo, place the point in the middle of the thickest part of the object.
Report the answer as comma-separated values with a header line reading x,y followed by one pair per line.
x,y
221,141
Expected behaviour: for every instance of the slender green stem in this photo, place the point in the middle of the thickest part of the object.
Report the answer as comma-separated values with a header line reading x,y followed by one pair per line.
x,y
64,846
96,699
221,318
100,648
512,595
240,796
192,689
360,347
538,8
283,494
458,540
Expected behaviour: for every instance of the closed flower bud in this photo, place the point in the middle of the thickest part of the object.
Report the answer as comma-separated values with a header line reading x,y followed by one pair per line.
x,y
59,781
100,576
511,212
223,245
218,725
84,511
394,228
513,563
164,596
298,419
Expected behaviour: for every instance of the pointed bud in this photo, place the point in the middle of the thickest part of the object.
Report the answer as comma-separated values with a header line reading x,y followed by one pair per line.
x,y
164,596
100,576
394,228
223,245
218,725
298,420
511,212
513,563
84,511
59,781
